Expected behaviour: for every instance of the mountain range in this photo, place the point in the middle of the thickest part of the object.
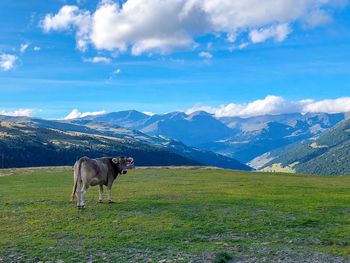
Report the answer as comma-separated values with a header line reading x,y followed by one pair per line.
x,y
286,142
240,138
36,142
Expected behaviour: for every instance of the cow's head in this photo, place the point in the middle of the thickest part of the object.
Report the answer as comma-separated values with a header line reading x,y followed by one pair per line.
x,y
124,163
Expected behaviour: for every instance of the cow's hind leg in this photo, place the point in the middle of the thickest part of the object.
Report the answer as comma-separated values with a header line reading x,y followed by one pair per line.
x,y
78,194
83,195
100,193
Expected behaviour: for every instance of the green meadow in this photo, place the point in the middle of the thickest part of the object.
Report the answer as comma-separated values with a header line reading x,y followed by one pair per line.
x,y
176,215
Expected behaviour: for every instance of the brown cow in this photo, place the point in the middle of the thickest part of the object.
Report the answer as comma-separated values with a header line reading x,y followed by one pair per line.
x,y
101,171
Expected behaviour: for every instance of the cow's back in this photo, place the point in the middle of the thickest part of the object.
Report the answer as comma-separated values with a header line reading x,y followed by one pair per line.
x,y
93,171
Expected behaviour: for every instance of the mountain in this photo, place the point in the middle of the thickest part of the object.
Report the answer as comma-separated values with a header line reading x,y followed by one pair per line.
x,y
130,119
323,120
194,129
121,140
327,154
247,145
24,145
258,135
202,156
243,139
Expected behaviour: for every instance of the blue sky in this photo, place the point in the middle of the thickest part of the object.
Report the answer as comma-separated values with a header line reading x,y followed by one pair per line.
x,y
52,75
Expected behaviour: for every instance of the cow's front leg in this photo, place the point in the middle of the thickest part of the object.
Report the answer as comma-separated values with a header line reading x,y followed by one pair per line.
x,y
100,194
110,195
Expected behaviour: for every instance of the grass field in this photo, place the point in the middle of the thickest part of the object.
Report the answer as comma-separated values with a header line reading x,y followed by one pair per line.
x,y
180,215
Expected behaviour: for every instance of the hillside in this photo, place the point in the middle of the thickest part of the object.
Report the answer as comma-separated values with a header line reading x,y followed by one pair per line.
x,y
98,136
327,154
23,145
176,215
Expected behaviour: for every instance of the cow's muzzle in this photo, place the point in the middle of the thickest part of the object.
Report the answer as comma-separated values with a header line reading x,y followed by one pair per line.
x,y
124,171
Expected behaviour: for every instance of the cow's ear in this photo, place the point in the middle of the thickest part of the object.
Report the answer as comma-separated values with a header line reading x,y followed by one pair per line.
x,y
115,160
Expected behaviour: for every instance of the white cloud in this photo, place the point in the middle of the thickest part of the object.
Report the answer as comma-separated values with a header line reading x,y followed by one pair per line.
x,y
206,55
66,17
147,26
276,105
70,17
17,113
117,71
36,48
331,106
7,61
243,45
277,32
98,60
23,48
239,47
75,113
231,37
317,17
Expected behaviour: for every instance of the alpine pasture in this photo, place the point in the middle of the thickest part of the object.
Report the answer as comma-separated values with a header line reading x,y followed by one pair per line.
x,y
176,215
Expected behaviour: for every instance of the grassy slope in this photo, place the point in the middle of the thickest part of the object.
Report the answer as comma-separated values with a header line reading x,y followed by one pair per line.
x,y
23,145
177,214
329,156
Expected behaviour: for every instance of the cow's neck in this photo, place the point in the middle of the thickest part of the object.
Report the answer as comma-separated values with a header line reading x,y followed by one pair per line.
x,y
116,169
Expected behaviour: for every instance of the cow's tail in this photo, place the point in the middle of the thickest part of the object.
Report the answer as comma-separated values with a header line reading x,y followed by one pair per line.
x,y
77,178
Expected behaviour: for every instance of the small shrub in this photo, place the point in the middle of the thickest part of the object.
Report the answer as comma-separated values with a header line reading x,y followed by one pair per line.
x,y
222,257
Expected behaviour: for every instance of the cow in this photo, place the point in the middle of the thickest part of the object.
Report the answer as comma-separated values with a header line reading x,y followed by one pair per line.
x,y
101,171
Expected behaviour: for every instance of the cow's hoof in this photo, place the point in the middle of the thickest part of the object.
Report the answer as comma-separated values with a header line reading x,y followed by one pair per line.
x,y
100,201
111,202
83,207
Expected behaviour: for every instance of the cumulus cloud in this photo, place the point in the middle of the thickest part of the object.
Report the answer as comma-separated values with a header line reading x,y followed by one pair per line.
x,y
147,26
70,17
23,47
206,55
276,105
98,60
17,113
36,48
331,106
7,61
75,113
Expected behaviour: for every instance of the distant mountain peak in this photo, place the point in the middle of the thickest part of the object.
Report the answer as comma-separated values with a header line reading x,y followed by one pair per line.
x,y
128,114
175,115
197,114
